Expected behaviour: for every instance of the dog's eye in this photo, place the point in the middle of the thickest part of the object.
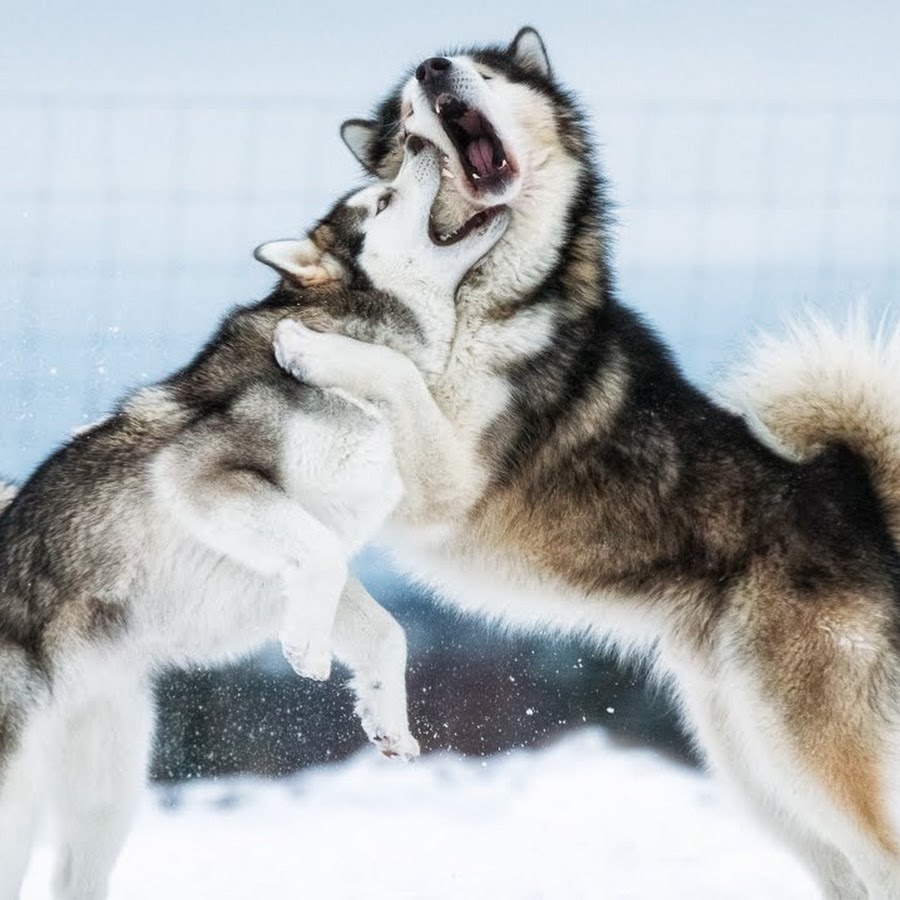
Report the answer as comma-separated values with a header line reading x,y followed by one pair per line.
x,y
384,201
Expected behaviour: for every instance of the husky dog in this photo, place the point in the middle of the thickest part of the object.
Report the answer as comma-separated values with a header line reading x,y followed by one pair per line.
x,y
208,514
570,477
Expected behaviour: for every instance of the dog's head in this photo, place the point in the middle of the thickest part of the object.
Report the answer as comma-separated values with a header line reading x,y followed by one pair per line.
x,y
381,237
509,134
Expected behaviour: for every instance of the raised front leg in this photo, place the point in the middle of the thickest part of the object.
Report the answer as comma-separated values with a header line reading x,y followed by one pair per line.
x,y
438,471
370,642
242,515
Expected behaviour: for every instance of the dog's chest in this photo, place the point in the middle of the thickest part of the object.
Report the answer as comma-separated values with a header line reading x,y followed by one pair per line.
x,y
476,387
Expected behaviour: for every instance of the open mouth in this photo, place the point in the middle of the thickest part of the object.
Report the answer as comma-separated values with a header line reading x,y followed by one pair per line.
x,y
445,239
481,153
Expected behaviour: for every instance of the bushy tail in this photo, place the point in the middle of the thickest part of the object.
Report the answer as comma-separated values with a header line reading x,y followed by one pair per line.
x,y
820,385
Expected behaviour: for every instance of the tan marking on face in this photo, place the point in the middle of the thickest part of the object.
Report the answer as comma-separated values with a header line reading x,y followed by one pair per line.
x,y
323,237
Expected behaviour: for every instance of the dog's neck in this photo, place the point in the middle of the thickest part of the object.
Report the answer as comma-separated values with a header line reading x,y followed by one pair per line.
x,y
435,310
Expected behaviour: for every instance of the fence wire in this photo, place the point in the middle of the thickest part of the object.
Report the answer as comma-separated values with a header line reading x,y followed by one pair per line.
x,y
127,225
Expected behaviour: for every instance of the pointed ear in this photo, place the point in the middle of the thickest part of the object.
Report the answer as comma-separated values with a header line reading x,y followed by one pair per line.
x,y
528,50
301,261
358,135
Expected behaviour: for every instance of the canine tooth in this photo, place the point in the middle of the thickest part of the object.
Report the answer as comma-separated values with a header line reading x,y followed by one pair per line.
x,y
446,173
476,176
504,164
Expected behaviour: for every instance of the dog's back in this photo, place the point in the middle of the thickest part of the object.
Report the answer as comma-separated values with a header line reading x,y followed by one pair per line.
x,y
86,526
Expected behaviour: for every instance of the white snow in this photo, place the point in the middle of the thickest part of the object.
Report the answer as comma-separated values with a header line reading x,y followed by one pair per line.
x,y
580,819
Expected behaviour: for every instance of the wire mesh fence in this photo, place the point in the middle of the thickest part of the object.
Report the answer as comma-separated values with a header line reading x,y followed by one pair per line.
x,y
127,226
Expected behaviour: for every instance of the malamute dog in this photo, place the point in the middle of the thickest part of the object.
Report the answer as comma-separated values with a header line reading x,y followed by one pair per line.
x,y
570,477
209,513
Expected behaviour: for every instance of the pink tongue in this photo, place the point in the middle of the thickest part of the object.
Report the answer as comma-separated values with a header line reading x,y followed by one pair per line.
x,y
481,154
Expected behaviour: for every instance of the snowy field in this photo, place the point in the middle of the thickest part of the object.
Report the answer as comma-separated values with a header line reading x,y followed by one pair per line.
x,y
581,819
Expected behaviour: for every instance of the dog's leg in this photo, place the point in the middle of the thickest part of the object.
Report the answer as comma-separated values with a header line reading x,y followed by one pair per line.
x,y
805,814
370,642
436,468
98,768
245,517
21,780
830,868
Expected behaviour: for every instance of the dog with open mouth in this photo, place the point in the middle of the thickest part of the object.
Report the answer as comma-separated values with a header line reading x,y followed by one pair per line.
x,y
572,479
212,512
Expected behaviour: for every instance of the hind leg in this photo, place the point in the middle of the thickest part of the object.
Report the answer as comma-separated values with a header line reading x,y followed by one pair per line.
x,y
22,769
736,756
821,781
372,644
97,775
21,774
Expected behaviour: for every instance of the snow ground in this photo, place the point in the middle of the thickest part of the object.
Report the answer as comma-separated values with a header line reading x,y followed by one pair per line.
x,y
580,819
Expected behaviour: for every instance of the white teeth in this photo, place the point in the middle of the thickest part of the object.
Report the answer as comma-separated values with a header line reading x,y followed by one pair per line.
x,y
504,164
444,238
446,173
476,176
437,108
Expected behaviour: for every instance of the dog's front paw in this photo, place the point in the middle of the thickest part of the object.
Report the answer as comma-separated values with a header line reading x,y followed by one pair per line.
x,y
291,345
308,661
394,740
397,746
330,360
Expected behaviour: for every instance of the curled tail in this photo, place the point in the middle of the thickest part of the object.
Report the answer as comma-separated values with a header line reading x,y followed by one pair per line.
x,y
821,385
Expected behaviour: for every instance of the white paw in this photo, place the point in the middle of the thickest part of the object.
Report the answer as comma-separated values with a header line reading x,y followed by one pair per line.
x,y
308,661
330,360
395,742
397,746
291,344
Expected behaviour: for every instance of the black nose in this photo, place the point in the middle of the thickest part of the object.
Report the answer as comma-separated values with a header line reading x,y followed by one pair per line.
x,y
414,144
433,69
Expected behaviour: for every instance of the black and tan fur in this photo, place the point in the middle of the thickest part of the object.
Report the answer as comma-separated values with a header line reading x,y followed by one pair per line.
x,y
586,485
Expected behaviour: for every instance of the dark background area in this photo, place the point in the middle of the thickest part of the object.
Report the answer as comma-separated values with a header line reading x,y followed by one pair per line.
x,y
473,689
